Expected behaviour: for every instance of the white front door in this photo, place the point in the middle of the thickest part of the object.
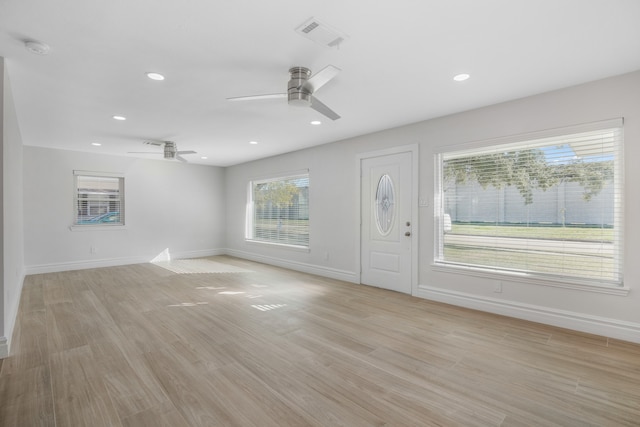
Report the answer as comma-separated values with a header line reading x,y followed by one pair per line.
x,y
386,210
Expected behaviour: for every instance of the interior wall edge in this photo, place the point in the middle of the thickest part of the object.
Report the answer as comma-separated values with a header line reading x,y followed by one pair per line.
x,y
611,328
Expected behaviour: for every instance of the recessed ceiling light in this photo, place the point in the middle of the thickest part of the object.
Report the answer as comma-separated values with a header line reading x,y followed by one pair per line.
x,y
38,48
316,122
119,118
204,157
461,77
96,144
253,142
155,76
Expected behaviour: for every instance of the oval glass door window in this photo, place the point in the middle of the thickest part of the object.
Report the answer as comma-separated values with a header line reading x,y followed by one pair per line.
x,y
385,205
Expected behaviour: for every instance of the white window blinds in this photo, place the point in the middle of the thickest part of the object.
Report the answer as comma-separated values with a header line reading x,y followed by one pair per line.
x,y
548,207
280,210
99,199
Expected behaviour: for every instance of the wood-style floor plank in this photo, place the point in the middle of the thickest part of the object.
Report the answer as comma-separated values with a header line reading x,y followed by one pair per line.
x,y
140,345
79,392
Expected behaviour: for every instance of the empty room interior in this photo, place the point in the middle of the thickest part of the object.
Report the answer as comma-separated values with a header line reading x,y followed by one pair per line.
x,y
320,213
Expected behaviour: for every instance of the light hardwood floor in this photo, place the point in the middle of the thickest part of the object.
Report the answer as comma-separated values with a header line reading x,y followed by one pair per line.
x,y
142,346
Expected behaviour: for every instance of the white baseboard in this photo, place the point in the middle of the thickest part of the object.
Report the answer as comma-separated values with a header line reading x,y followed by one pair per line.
x,y
202,253
4,347
347,276
333,273
11,315
83,265
114,262
612,328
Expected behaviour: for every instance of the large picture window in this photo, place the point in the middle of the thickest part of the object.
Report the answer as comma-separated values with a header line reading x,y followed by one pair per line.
x,y
99,199
548,207
280,210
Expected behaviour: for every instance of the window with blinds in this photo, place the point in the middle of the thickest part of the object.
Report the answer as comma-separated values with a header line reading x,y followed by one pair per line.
x,y
280,210
549,207
99,199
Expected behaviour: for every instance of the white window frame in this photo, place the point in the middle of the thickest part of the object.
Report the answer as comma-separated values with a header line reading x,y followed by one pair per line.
x,y
250,231
77,223
573,282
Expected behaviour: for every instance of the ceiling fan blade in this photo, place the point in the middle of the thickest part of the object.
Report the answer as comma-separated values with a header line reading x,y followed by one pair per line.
x,y
180,158
323,109
258,97
186,152
143,152
319,79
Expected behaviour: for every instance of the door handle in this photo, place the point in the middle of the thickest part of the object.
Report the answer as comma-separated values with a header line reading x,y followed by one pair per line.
x,y
408,234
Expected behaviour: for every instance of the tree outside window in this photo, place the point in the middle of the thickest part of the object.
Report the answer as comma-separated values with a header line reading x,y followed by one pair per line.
x,y
546,207
280,211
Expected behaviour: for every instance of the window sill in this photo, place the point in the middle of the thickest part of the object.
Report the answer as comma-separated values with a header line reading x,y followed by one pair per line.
x,y
279,245
575,284
114,227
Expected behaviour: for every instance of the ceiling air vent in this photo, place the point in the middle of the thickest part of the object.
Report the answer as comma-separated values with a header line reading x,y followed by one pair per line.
x,y
321,33
152,142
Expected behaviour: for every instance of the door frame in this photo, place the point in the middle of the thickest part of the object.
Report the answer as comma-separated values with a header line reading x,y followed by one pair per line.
x,y
415,178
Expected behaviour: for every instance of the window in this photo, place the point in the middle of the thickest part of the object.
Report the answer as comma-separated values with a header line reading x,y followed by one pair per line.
x,y
549,207
99,199
385,205
279,210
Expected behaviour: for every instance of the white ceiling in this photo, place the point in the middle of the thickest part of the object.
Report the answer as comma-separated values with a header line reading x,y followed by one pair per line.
x,y
397,66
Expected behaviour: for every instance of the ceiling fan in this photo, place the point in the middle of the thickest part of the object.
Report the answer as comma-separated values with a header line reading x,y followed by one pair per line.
x,y
170,150
301,89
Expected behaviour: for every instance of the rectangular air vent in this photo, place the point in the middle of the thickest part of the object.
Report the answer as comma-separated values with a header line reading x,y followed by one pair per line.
x,y
321,33
156,143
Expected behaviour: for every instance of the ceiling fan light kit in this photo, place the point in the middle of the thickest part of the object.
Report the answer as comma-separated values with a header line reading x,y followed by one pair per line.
x,y
170,150
297,94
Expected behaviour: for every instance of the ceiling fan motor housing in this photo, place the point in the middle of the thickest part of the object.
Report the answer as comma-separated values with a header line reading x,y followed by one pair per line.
x,y
170,150
296,93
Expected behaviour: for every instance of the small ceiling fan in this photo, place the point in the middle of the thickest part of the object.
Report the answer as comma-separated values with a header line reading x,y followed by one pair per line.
x,y
301,89
170,150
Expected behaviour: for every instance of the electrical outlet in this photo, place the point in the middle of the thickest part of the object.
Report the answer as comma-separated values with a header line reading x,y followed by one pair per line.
x,y
498,287
93,249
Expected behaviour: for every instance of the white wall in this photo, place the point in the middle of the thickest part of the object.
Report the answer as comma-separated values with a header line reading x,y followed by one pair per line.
x,y
333,189
168,205
333,205
12,251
